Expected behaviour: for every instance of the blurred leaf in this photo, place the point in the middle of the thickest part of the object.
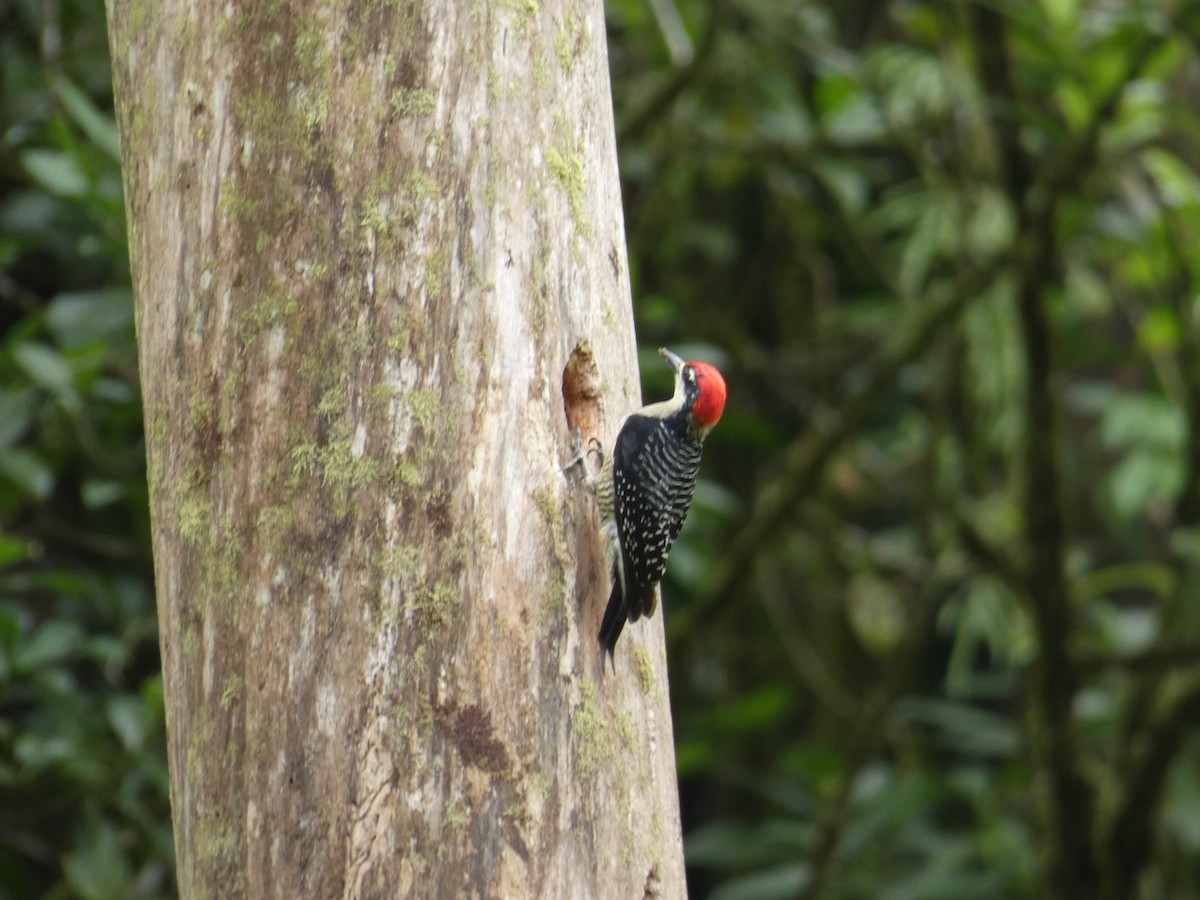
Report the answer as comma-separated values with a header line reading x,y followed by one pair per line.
x,y
692,756
152,695
820,768
1075,103
1142,478
714,499
913,84
845,182
875,612
14,549
112,390
849,115
961,727
55,171
1182,800
1156,578
1142,419
1142,116
41,751
939,229
16,414
989,617
1061,12
755,709
127,715
992,224
771,884
881,802
10,634
947,875
1159,331
97,494
45,366
99,128
725,845
97,869
53,642
81,317
27,471
1176,181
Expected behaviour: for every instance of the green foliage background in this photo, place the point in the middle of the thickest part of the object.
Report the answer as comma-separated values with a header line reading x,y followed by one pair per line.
x,y
83,773
933,622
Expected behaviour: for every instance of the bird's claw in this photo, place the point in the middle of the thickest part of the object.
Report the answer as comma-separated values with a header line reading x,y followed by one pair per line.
x,y
594,446
578,454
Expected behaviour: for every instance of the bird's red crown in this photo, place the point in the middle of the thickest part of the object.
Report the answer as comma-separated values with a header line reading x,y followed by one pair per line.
x,y
711,402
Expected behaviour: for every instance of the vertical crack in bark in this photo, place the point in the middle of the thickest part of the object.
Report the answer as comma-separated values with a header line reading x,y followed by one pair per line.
x,y
368,845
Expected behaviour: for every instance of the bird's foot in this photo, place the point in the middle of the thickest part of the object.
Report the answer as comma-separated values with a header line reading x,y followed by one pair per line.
x,y
579,456
578,453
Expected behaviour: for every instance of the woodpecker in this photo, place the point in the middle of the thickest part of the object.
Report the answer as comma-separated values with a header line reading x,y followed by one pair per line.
x,y
645,487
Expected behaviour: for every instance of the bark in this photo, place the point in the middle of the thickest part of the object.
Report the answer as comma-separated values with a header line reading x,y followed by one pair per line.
x,y
378,258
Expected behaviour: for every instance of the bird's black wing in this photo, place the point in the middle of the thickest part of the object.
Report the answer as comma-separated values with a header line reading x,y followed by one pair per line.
x,y
654,476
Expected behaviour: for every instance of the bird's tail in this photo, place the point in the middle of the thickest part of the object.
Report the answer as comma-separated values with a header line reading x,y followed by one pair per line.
x,y
613,622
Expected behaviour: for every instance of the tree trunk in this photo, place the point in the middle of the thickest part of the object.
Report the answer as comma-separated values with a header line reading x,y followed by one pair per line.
x,y
367,239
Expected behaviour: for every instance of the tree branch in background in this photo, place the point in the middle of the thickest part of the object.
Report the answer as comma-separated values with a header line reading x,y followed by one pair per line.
x,y
995,559
1073,868
657,105
805,460
1127,842
863,745
1179,296
804,658
674,32
1073,871
1155,662
1147,753
1079,156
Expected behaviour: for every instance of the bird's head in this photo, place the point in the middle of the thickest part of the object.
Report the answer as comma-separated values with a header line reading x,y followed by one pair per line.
x,y
700,388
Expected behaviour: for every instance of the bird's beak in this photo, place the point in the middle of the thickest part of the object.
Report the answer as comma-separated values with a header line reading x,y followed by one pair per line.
x,y
676,362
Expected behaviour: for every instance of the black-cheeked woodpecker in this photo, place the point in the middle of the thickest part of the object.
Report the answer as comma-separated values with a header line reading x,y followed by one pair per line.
x,y
645,488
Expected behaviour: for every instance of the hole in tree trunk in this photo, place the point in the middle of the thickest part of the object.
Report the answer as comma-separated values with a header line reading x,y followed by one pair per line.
x,y
581,391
